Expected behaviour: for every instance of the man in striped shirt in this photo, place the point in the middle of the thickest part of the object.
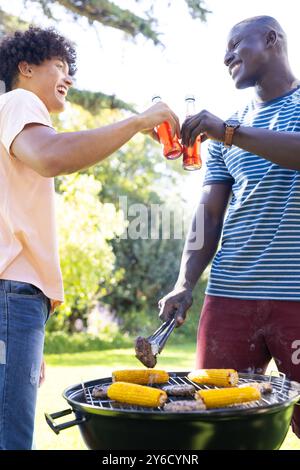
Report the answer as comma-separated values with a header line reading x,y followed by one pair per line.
x,y
251,311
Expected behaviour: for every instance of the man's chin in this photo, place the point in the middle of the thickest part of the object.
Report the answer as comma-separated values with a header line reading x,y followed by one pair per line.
x,y
58,107
241,83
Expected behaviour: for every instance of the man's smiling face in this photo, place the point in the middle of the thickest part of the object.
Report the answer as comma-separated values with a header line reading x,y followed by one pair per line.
x,y
50,81
247,55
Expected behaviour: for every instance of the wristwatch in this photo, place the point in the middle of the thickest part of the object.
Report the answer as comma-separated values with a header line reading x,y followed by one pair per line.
x,y
230,127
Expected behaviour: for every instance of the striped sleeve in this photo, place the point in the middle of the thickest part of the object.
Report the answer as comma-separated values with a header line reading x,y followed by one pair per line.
x,y
216,171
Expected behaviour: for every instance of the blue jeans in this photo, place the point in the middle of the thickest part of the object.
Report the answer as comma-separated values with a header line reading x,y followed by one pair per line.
x,y
24,310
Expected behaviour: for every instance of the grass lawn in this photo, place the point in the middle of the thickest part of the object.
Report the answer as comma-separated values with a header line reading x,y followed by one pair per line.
x,y
68,369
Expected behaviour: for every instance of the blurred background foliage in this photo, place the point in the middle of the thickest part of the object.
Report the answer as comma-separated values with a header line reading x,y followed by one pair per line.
x,y
112,283
127,275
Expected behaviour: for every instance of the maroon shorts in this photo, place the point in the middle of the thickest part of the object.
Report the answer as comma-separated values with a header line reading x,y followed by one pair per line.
x,y
247,334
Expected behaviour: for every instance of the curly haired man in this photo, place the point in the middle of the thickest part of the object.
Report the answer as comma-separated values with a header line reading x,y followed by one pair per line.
x,y
37,67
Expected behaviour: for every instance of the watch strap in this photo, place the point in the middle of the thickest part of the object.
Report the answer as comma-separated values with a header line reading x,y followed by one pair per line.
x,y
229,133
230,128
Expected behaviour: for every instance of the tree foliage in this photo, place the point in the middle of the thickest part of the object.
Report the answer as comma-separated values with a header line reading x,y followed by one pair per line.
x,y
197,10
87,260
95,101
109,14
150,266
140,270
10,23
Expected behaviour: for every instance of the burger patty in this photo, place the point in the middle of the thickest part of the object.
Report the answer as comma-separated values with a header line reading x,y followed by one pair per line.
x,y
184,405
100,391
143,352
184,390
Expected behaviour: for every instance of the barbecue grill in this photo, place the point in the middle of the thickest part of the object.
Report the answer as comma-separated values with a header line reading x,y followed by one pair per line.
x,y
105,424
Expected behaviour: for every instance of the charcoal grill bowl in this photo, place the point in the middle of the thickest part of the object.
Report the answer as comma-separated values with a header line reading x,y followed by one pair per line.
x,y
262,428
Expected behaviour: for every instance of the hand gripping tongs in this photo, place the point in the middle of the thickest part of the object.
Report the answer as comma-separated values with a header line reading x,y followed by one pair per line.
x,y
147,348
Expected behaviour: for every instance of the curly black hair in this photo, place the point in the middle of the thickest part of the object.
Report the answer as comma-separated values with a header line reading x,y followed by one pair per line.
x,y
34,46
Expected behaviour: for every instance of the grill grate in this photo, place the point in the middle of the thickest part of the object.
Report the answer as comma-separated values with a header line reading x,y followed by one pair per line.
x,y
282,392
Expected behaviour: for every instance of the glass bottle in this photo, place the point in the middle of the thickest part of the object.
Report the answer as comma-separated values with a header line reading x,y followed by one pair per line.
x,y
191,155
171,146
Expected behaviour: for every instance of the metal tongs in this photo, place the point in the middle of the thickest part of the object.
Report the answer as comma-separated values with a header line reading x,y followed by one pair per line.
x,y
160,336
148,348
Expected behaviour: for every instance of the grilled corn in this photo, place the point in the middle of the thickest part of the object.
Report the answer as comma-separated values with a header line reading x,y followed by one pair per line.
x,y
141,376
135,394
218,377
218,398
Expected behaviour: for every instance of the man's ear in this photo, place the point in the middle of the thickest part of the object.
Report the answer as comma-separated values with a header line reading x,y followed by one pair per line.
x,y
25,69
271,38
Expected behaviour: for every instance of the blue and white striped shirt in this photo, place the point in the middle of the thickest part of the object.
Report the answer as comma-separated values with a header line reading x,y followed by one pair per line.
x,y
259,256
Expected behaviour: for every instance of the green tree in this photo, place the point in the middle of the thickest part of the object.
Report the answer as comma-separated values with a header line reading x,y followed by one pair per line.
x,y
139,173
110,14
85,228
143,269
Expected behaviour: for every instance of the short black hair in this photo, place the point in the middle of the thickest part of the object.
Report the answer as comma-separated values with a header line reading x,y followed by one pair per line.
x,y
268,23
35,45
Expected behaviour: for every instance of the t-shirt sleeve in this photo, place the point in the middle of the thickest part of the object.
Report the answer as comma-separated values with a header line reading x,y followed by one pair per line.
x,y
216,169
21,109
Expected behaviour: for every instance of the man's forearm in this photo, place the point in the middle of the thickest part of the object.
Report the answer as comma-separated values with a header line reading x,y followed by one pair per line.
x,y
52,154
194,262
74,151
282,148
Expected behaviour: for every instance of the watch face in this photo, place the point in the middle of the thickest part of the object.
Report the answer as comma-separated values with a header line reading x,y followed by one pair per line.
x,y
232,123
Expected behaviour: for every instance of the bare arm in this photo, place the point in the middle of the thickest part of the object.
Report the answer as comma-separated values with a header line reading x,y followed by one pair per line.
x,y
214,198
282,148
52,154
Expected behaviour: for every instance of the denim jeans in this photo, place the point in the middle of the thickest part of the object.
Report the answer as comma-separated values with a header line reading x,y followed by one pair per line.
x,y
24,311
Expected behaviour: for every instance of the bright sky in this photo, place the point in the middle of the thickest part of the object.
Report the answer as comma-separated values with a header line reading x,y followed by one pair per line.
x,y
191,62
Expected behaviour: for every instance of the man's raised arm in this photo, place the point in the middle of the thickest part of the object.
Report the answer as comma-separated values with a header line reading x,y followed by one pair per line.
x,y
51,154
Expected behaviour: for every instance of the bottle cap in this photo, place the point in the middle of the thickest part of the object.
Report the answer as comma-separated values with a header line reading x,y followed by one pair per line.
x,y
189,97
156,98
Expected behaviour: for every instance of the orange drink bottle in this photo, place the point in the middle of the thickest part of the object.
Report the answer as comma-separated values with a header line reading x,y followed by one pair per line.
x,y
191,155
171,146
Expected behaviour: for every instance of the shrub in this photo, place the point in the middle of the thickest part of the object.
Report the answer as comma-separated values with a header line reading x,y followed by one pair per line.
x,y
61,342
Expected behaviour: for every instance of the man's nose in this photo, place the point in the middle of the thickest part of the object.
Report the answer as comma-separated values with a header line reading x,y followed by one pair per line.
x,y
229,56
68,80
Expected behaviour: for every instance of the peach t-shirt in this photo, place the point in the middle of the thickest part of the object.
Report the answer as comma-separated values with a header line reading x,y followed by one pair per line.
x,y
28,238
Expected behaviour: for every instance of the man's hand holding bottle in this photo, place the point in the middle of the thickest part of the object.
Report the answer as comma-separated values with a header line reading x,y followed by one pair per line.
x,y
156,115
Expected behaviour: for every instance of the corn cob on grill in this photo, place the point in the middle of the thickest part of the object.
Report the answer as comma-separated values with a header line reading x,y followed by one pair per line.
x,y
218,377
134,394
218,398
140,376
